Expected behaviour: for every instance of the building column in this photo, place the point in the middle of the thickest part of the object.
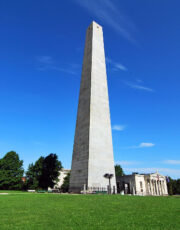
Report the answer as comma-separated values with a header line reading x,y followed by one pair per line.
x,y
162,184
153,188
152,182
150,187
165,187
158,189
155,184
160,192
161,187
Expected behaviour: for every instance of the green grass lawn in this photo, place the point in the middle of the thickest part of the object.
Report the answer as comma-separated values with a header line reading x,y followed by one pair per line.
x,y
11,191
86,212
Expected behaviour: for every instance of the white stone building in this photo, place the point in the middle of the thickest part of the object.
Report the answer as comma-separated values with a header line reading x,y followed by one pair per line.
x,y
142,184
63,174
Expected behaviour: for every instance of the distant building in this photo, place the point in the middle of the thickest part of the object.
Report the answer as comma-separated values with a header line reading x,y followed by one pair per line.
x,y
142,184
23,179
63,174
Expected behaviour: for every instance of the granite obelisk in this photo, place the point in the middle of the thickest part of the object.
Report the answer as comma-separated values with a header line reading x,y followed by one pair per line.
x,y
93,150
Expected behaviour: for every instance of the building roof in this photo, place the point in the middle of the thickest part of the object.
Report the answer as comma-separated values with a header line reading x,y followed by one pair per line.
x,y
141,174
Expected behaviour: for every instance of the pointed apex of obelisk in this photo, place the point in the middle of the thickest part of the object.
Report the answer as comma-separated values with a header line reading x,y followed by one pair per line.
x,y
93,24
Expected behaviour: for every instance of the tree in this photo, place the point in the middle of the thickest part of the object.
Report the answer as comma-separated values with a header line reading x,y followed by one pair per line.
x,y
177,191
119,171
173,186
65,185
11,171
44,173
170,187
50,171
34,173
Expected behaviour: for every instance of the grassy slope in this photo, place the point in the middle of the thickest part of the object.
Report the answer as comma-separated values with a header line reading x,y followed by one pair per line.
x,y
87,212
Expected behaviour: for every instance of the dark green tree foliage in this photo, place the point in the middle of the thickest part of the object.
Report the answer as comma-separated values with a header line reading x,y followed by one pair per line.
x,y
119,171
34,174
50,171
173,186
170,186
11,171
65,185
177,191
44,173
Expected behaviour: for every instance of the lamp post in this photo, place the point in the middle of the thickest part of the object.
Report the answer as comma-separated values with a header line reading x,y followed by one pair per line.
x,y
109,176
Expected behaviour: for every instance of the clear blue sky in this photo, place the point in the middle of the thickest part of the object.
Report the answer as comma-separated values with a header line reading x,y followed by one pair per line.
x,y
41,52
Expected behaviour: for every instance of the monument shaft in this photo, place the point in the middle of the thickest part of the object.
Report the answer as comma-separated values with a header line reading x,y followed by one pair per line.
x,y
93,150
